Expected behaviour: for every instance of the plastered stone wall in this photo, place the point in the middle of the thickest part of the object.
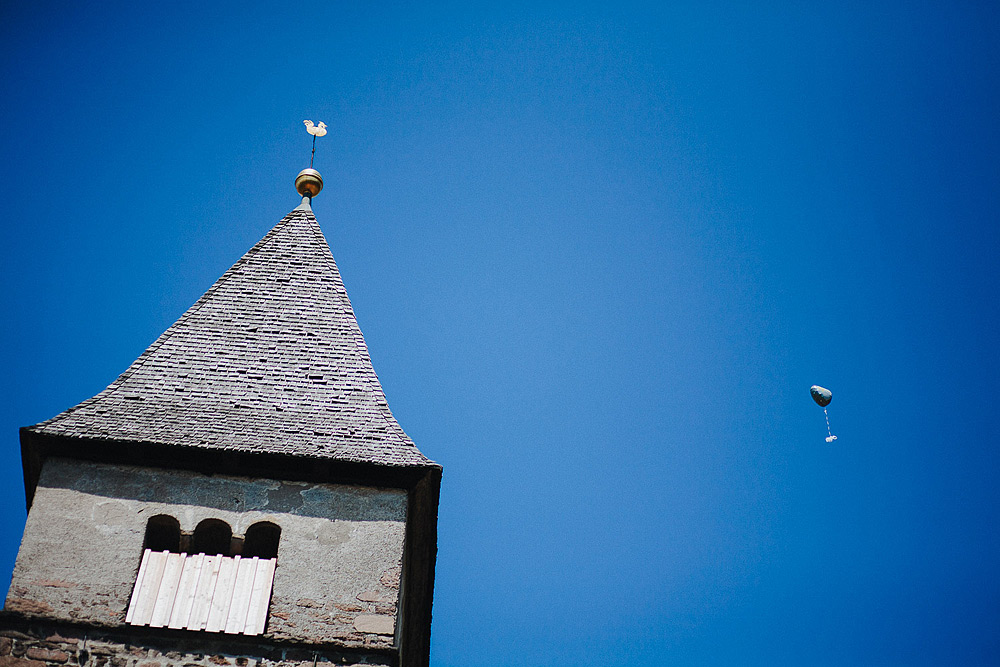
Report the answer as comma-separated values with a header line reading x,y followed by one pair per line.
x,y
339,557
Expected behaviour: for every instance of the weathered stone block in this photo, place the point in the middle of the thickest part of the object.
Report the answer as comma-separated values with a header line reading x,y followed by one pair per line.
x,y
10,661
48,655
390,579
375,624
27,606
59,639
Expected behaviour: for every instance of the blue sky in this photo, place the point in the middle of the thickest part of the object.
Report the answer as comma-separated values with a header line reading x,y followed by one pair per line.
x,y
599,254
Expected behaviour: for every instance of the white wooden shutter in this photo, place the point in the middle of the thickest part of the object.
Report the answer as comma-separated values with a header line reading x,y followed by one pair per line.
x,y
199,592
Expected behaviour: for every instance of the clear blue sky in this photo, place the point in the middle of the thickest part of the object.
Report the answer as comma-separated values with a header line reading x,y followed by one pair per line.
x,y
599,253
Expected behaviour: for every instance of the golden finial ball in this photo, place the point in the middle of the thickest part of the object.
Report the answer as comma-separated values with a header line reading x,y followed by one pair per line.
x,y
308,182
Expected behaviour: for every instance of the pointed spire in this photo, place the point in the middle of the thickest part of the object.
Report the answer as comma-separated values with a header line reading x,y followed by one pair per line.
x,y
269,360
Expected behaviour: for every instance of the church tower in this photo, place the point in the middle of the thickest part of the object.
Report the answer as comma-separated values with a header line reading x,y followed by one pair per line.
x,y
241,495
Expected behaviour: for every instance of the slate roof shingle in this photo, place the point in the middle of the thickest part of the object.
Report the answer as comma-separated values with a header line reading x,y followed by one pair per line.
x,y
269,360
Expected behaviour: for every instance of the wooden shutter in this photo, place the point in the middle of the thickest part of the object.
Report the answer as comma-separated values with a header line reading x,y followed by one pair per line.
x,y
199,592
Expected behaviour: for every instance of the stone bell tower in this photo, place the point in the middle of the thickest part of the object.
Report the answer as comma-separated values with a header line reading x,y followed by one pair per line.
x,y
240,495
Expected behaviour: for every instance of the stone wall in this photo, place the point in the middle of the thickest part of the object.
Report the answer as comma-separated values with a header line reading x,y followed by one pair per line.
x,y
32,644
339,556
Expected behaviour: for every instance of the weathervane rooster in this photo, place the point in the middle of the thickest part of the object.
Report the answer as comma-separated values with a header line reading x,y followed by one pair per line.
x,y
317,131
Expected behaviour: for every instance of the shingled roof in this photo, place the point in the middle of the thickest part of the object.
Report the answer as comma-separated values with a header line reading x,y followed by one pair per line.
x,y
269,360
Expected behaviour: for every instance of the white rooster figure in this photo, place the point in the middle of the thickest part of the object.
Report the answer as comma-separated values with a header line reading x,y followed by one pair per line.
x,y
316,131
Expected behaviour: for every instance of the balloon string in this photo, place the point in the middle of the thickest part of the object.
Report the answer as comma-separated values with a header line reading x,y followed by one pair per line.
x,y
830,436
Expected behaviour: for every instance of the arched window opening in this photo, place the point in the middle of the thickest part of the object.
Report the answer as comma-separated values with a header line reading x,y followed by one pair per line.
x,y
163,533
208,586
211,537
262,540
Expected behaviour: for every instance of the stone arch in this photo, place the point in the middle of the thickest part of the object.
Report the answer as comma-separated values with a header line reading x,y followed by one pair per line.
x,y
163,533
211,537
261,540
